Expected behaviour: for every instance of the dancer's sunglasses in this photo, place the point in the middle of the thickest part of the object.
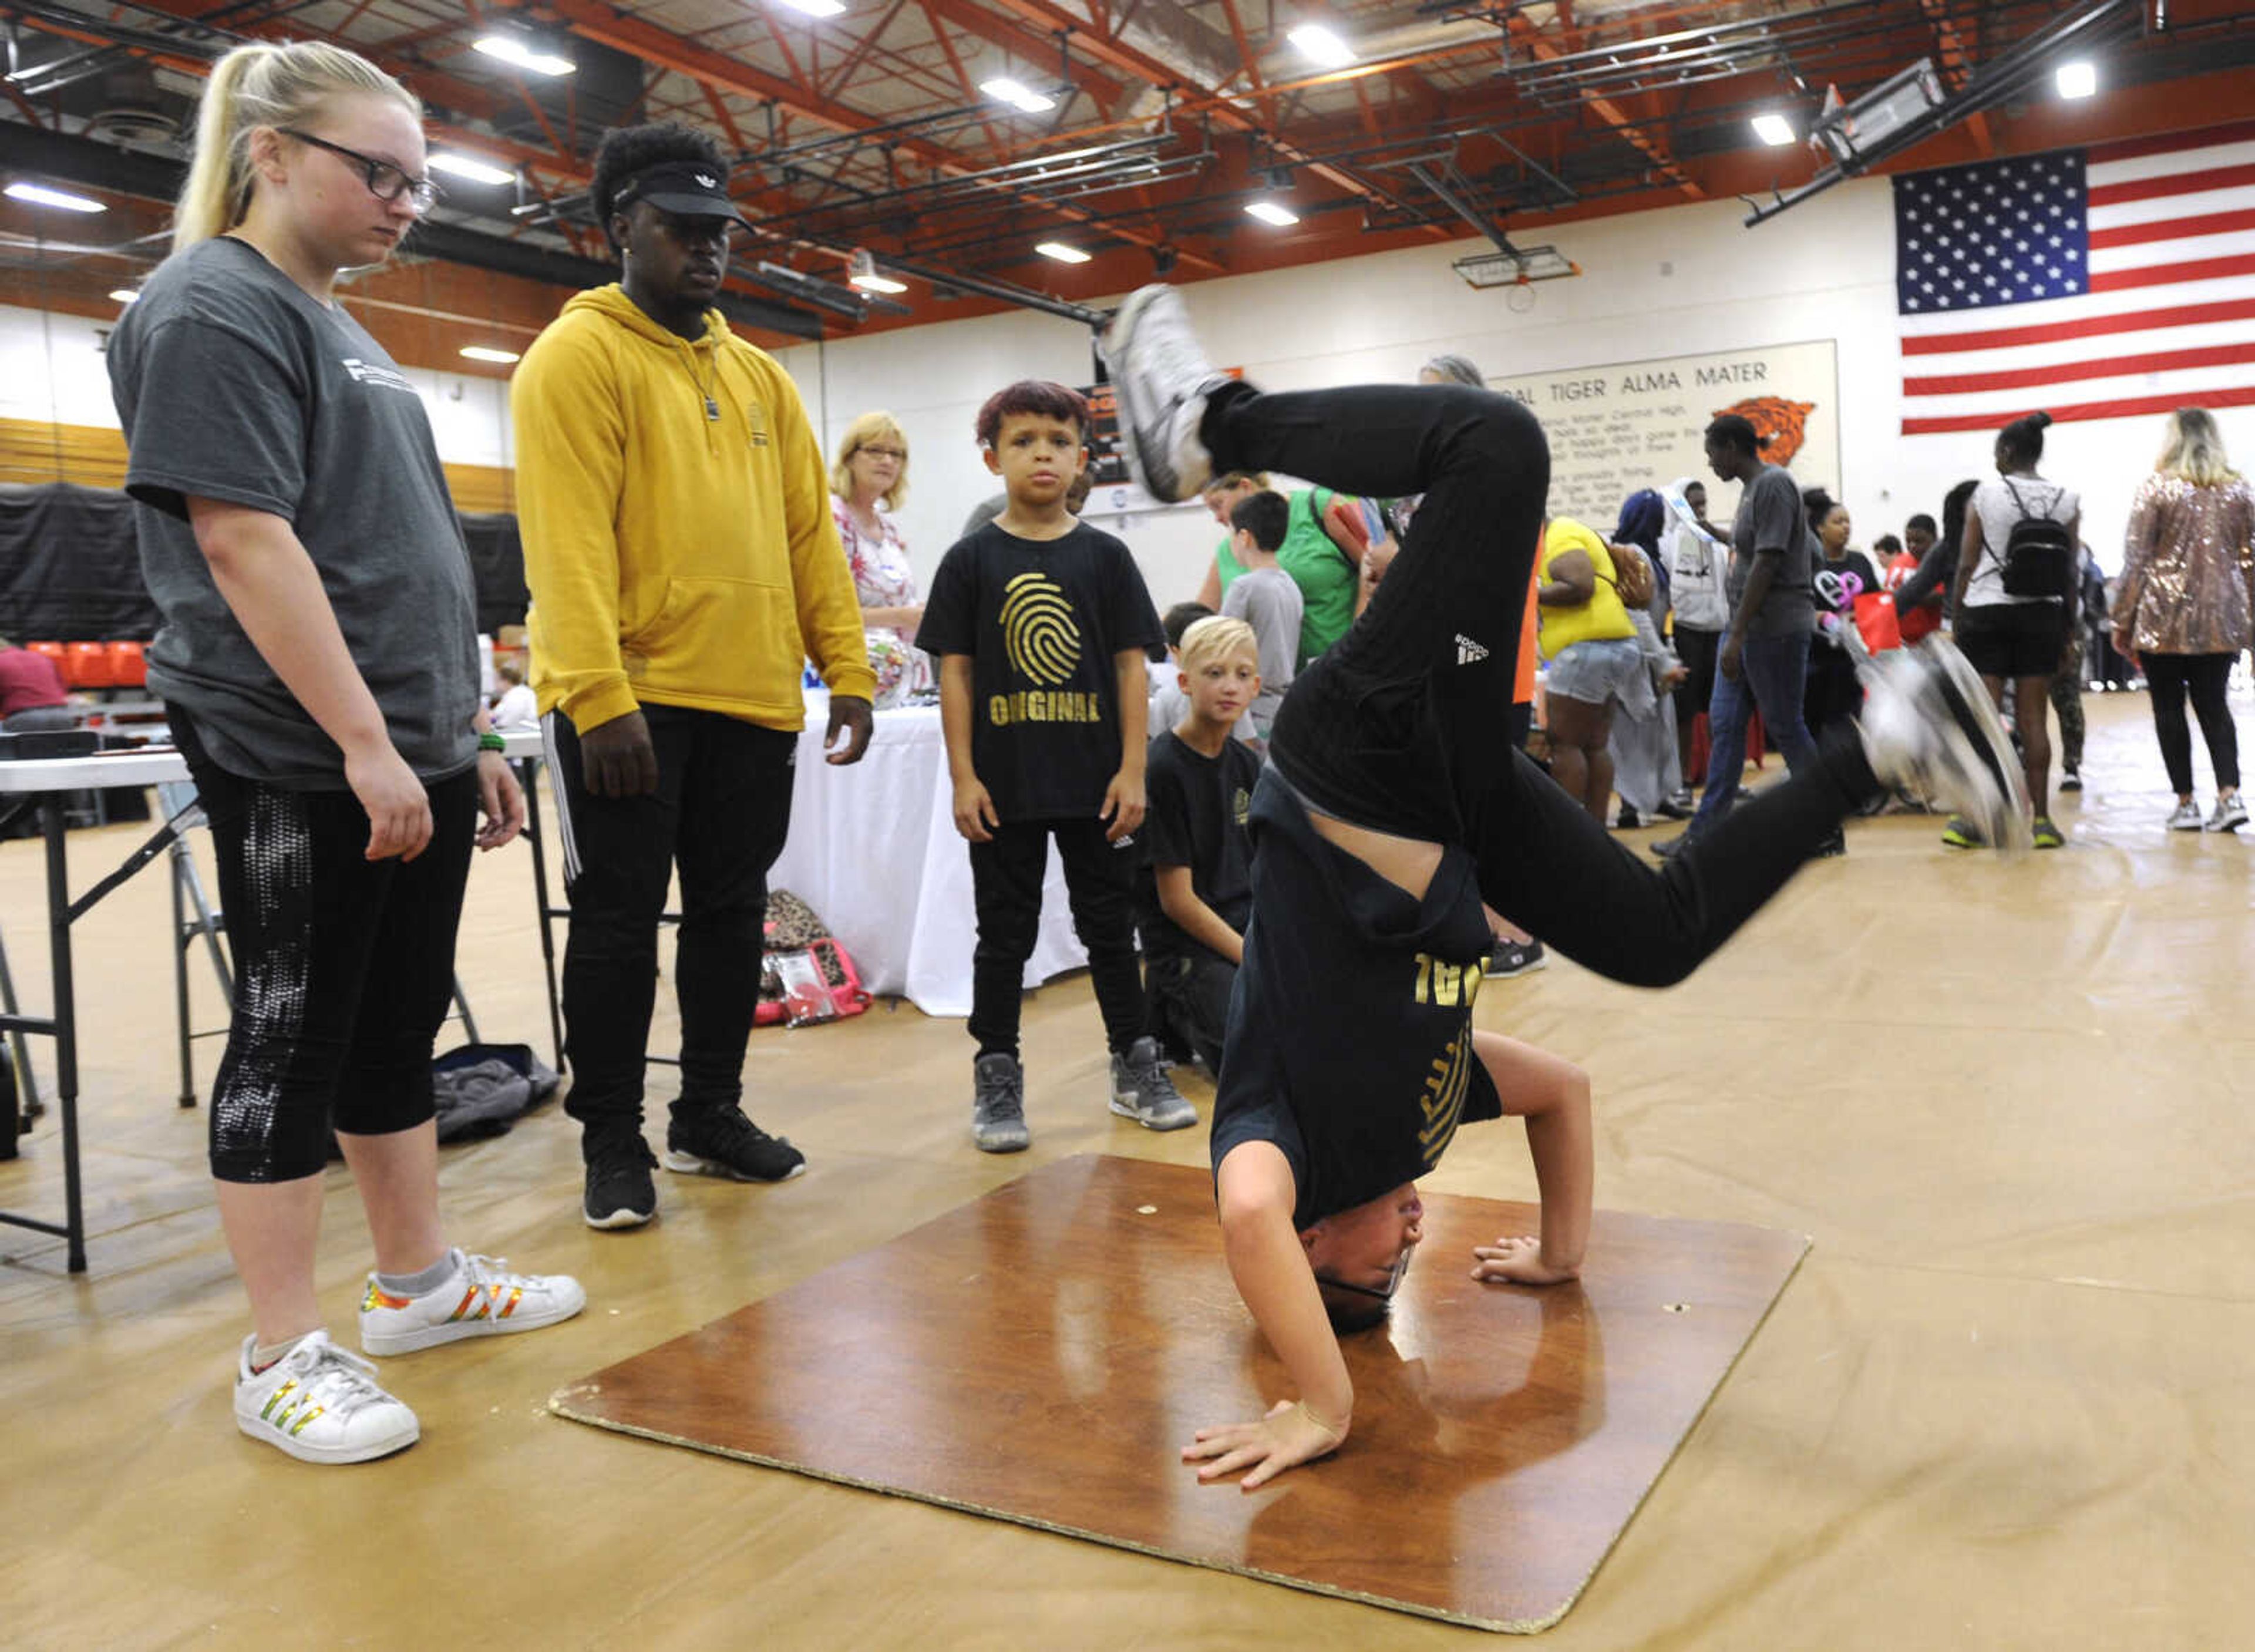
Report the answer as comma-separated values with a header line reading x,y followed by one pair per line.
x,y
1393,1278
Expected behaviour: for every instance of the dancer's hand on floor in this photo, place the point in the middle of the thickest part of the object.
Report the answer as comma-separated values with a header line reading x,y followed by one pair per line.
x,y
1517,1261
1291,1434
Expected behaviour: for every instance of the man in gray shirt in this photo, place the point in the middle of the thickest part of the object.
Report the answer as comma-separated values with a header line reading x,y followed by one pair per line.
x,y
1264,596
1764,663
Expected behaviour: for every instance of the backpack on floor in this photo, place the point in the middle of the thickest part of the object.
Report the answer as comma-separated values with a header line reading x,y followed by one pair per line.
x,y
805,975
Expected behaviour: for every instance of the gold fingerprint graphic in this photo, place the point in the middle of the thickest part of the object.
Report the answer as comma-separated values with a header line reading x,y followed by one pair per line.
x,y
1443,1100
1038,632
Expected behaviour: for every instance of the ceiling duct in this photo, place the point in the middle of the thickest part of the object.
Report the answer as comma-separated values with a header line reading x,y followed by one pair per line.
x,y
127,106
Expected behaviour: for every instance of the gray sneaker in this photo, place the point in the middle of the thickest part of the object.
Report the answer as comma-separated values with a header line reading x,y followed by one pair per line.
x,y
1142,1089
1161,378
2231,815
1928,724
998,1106
2184,818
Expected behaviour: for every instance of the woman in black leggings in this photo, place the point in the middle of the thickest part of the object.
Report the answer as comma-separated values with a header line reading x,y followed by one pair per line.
x,y
1395,806
2183,609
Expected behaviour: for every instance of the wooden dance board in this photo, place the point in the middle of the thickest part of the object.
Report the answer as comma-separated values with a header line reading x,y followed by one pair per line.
x,y
1041,1356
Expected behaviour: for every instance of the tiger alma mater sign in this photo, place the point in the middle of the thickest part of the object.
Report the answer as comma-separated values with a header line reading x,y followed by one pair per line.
x,y
1629,424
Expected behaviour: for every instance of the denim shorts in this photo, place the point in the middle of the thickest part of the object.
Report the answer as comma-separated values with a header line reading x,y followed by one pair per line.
x,y
1595,672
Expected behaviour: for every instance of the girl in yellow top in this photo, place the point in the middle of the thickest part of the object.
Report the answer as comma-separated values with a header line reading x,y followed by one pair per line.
x,y
1589,644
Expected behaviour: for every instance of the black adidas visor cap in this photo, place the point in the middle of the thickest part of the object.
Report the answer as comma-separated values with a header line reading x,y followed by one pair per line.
x,y
684,188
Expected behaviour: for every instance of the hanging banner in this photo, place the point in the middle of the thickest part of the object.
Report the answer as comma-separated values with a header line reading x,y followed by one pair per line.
x,y
1631,424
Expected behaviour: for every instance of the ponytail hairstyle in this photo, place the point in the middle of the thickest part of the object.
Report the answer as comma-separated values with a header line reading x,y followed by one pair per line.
x,y
1819,505
2022,441
255,85
2194,449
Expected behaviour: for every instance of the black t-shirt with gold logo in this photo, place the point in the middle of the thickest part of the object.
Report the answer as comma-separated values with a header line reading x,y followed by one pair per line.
x,y
1196,812
1041,620
1350,1040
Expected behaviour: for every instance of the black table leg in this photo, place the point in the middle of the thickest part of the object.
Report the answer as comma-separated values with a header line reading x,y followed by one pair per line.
x,y
66,1019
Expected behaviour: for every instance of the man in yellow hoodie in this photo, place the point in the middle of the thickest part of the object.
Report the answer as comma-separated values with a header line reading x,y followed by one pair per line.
x,y
682,562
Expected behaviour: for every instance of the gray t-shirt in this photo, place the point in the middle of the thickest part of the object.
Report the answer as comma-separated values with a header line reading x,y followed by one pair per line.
x,y
1772,518
234,384
1268,600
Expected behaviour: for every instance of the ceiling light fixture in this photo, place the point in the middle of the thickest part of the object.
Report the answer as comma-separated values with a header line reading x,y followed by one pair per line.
x,y
862,271
469,166
40,195
816,8
516,50
487,353
1270,212
2078,79
1023,98
1061,252
1774,129
1321,46
123,295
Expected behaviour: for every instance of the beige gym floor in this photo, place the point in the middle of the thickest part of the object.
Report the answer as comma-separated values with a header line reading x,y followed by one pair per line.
x,y
2005,1403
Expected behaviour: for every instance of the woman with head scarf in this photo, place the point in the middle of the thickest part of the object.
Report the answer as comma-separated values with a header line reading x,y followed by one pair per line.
x,y
1647,771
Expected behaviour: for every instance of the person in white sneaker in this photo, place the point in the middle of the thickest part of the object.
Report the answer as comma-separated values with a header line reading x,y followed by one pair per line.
x,y
1393,809
318,661
2182,613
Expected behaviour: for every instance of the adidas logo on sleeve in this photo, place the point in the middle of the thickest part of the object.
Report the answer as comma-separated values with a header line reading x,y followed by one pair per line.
x,y
1468,651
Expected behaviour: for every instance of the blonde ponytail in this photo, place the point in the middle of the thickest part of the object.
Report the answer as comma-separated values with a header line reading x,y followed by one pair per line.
x,y
255,86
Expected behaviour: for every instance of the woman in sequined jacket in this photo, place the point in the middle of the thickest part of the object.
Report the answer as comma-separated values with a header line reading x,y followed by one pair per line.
x,y
2185,605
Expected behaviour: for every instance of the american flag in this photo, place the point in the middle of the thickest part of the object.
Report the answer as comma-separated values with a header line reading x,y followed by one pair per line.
x,y
2107,283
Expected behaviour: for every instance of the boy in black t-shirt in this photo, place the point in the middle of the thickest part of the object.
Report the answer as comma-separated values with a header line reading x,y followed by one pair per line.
x,y
1197,892
1040,624
1395,813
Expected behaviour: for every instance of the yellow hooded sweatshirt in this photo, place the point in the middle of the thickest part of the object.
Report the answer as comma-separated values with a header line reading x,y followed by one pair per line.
x,y
679,552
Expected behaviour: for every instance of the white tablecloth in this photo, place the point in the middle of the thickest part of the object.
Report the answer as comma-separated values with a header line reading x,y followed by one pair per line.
x,y
873,850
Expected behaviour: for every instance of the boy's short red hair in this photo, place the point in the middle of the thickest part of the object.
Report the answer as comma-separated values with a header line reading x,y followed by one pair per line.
x,y
1032,396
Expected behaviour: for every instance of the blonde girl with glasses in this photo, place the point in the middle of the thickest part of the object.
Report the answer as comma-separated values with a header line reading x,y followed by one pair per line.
x,y
867,483
316,657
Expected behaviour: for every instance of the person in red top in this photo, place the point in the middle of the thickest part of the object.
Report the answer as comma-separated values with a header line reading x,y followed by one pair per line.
x,y
30,683
1918,538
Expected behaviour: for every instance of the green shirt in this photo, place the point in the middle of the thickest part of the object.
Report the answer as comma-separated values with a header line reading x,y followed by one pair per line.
x,y
1326,578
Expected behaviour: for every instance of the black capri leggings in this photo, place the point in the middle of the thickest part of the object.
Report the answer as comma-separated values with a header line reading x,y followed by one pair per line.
x,y
2167,679
1402,727
343,967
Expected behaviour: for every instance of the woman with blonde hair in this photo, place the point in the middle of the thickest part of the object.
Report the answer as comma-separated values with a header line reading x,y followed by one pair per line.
x,y
2184,607
867,482
318,661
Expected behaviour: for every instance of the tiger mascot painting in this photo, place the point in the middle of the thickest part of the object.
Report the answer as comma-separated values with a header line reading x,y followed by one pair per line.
x,y
1782,424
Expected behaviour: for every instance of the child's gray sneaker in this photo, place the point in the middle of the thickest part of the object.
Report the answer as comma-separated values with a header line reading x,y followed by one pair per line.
x,y
2231,815
1142,1089
998,1106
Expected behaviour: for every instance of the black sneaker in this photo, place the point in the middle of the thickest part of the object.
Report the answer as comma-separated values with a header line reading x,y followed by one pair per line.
x,y
1837,844
1510,958
1679,804
1161,378
620,1190
723,1142
2071,781
1668,848
1628,819
998,1105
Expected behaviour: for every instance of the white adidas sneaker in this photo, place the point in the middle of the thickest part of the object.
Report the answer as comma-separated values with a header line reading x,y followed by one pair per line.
x,y
1161,378
480,1299
1928,725
321,1404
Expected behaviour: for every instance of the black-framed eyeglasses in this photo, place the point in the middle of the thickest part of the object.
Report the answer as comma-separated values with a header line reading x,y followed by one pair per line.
x,y
1393,1279
385,181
